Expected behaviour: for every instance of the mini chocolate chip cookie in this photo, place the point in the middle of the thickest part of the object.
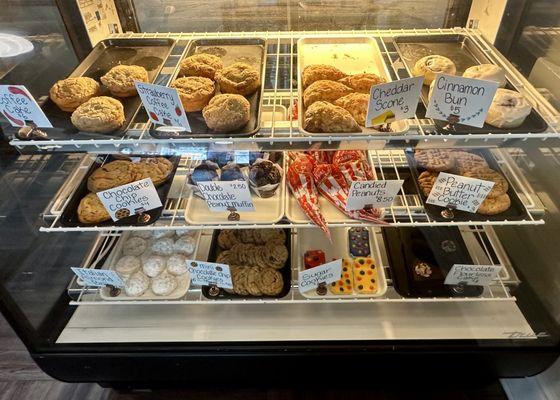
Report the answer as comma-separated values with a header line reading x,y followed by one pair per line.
x,y
227,239
270,282
253,276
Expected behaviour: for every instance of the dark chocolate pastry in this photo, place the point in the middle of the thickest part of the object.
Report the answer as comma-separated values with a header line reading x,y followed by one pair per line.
x,y
264,173
206,171
221,157
232,172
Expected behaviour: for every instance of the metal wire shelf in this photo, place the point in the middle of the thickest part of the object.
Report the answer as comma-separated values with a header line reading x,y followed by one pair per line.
x,y
407,210
279,131
481,243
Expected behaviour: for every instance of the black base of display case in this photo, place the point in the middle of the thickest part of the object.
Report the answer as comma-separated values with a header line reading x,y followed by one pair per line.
x,y
306,366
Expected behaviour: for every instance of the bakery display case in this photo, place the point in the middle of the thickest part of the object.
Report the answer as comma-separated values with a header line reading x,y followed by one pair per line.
x,y
454,271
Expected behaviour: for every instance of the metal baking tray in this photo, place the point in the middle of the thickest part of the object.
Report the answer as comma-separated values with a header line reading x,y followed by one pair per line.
x,y
69,217
183,281
516,212
464,53
248,50
286,272
149,53
315,239
440,247
267,210
332,215
352,55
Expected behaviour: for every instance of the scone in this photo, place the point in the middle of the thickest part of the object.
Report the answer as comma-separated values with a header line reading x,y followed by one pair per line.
x,y
362,82
110,175
238,78
431,65
156,168
319,72
120,79
68,94
227,112
356,104
99,114
194,92
323,117
204,65
324,91
91,210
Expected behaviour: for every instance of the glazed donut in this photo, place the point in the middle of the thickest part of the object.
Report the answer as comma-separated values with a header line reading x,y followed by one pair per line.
x,y
487,72
429,66
508,109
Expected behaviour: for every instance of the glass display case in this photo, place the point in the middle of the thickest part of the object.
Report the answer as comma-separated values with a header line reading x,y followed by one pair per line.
x,y
438,275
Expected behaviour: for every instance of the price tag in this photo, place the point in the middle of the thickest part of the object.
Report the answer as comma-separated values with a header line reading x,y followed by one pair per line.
x,y
98,277
207,273
226,196
194,153
393,101
475,275
133,198
459,192
241,156
20,108
313,277
375,194
461,100
163,105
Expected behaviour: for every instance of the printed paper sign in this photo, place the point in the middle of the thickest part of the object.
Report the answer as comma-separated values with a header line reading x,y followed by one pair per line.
x,y
20,108
313,277
476,275
195,153
227,196
241,156
163,105
459,192
461,100
375,194
133,198
98,277
393,101
207,273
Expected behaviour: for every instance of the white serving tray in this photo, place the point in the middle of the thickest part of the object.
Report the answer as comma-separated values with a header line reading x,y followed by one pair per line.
x,y
183,281
332,215
267,210
315,239
352,55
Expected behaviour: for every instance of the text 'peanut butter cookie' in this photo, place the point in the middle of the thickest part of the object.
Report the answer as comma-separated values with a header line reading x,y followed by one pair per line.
x,y
121,78
101,114
68,94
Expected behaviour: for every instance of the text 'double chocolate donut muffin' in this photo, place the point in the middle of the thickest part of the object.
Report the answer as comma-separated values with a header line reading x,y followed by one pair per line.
x,y
121,78
68,94
101,114
227,112
194,92
204,65
238,78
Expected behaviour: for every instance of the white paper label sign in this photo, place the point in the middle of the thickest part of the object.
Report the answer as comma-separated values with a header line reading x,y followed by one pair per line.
x,y
393,101
227,196
20,108
163,105
476,275
206,273
376,194
132,198
461,100
459,192
313,277
98,277
241,156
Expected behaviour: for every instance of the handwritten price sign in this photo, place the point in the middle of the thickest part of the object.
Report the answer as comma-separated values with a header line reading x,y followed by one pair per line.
x,y
224,196
20,108
163,105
